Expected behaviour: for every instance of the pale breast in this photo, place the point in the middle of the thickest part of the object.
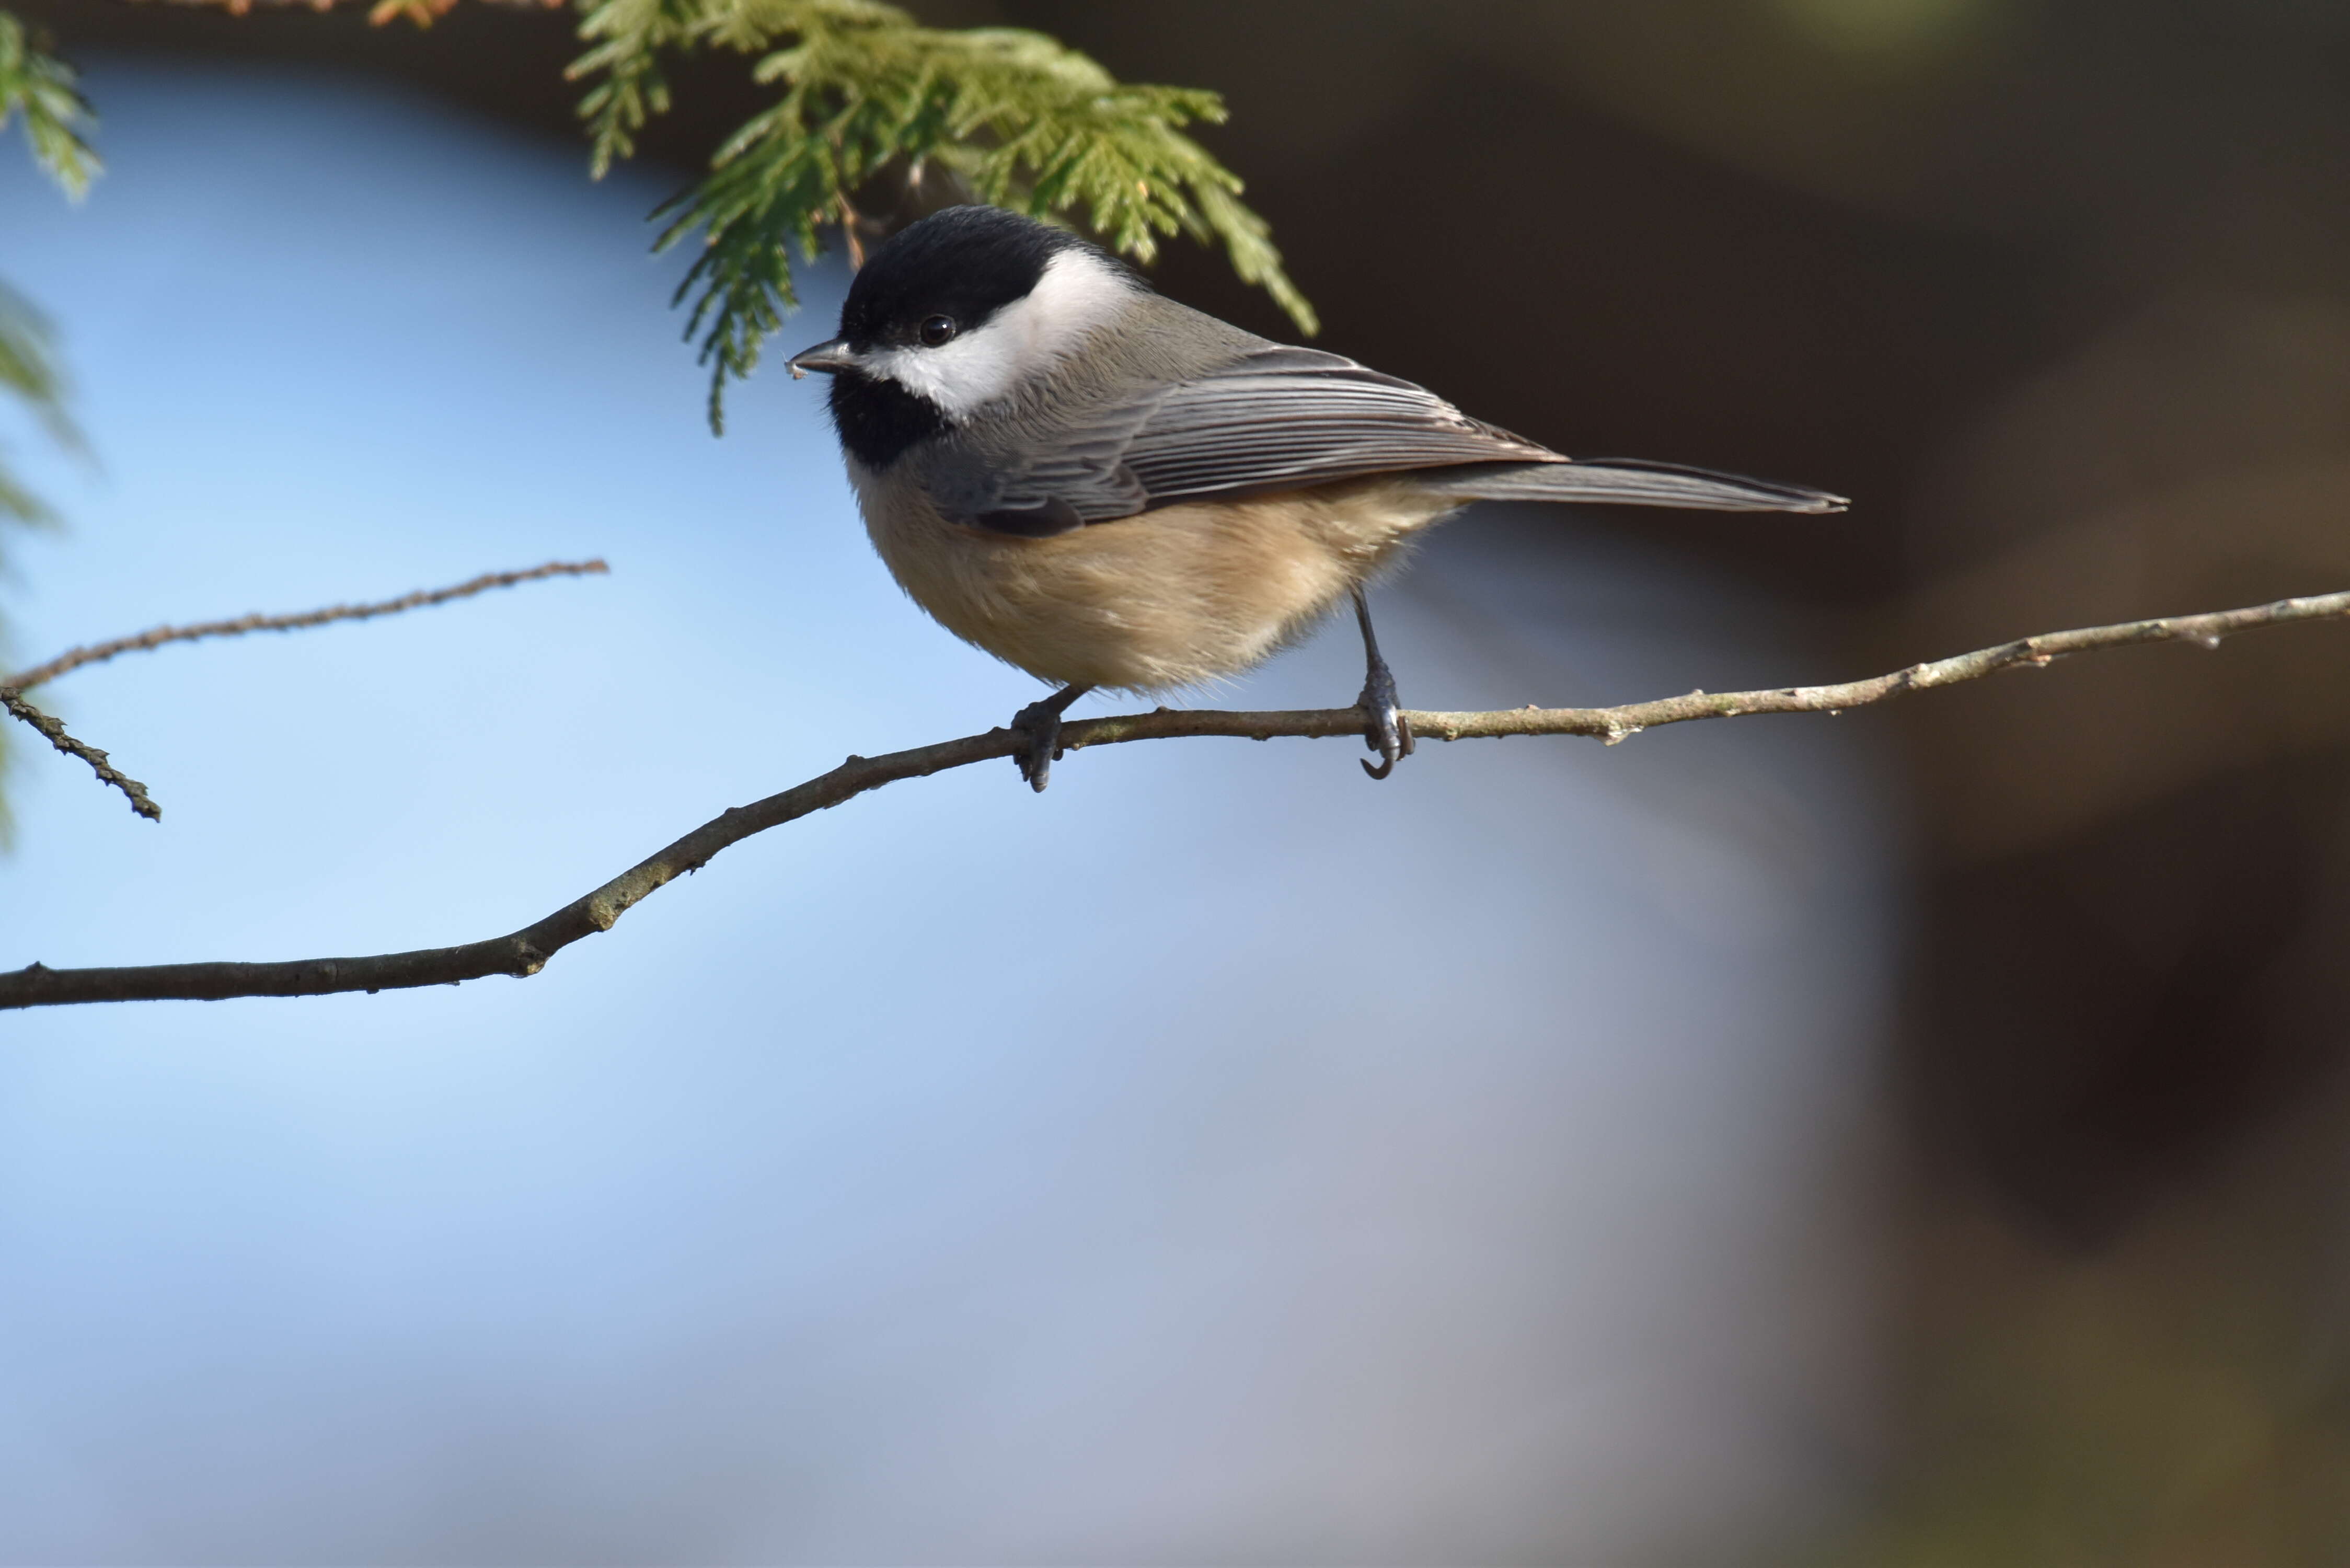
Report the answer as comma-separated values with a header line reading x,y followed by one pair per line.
x,y
1169,598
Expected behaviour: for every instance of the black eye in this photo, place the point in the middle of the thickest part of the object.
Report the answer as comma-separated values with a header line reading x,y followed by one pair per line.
x,y
938,329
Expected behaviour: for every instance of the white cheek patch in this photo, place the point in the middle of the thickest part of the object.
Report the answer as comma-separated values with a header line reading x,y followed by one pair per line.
x,y
1077,293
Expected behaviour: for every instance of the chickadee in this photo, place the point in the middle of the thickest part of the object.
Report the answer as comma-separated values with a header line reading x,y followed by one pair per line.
x,y
1109,489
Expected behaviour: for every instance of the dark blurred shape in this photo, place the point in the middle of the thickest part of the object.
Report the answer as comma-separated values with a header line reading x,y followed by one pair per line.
x,y
2059,290
2103,1070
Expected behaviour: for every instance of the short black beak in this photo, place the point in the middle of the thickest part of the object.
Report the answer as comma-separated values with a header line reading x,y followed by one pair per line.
x,y
826,357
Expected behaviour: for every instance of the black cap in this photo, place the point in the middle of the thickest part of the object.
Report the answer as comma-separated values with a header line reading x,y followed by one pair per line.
x,y
965,263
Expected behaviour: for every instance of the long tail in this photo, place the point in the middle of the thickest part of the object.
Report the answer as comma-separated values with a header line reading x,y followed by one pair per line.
x,y
1627,481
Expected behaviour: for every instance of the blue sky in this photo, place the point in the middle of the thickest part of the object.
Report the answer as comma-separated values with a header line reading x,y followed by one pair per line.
x,y
1220,1157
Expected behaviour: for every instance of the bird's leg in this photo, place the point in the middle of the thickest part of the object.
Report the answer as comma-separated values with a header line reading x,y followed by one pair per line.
x,y
1041,721
1384,728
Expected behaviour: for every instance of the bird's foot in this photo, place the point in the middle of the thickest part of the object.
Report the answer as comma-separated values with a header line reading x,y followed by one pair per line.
x,y
1040,721
1041,724
1384,728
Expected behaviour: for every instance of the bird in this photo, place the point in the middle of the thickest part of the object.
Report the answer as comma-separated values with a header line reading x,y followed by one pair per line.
x,y
1113,491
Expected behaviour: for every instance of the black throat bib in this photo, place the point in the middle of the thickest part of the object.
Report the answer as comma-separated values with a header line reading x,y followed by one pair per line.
x,y
879,421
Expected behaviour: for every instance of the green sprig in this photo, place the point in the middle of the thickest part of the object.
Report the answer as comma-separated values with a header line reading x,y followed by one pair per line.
x,y
39,87
1020,119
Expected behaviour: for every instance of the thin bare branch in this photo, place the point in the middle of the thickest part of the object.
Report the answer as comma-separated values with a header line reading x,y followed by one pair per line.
x,y
526,951
12,700
98,653
13,687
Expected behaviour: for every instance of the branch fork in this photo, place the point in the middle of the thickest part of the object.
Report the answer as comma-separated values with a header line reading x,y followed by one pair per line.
x,y
14,687
526,951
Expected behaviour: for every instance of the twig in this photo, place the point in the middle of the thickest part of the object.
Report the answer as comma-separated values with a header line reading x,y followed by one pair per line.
x,y
13,687
526,951
11,698
849,221
97,653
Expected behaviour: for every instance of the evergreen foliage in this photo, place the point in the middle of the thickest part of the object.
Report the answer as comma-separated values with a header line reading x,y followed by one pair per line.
x,y
38,87
29,370
867,95
1013,117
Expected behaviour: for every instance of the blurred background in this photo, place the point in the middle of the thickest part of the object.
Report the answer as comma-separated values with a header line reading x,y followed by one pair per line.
x,y
1917,1136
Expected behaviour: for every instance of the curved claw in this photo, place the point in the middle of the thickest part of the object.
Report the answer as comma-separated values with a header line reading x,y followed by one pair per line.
x,y
1384,728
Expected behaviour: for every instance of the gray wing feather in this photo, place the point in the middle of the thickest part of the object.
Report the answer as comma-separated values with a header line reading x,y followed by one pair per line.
x,y
1290,416
1628,481
1273,419
1279,417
